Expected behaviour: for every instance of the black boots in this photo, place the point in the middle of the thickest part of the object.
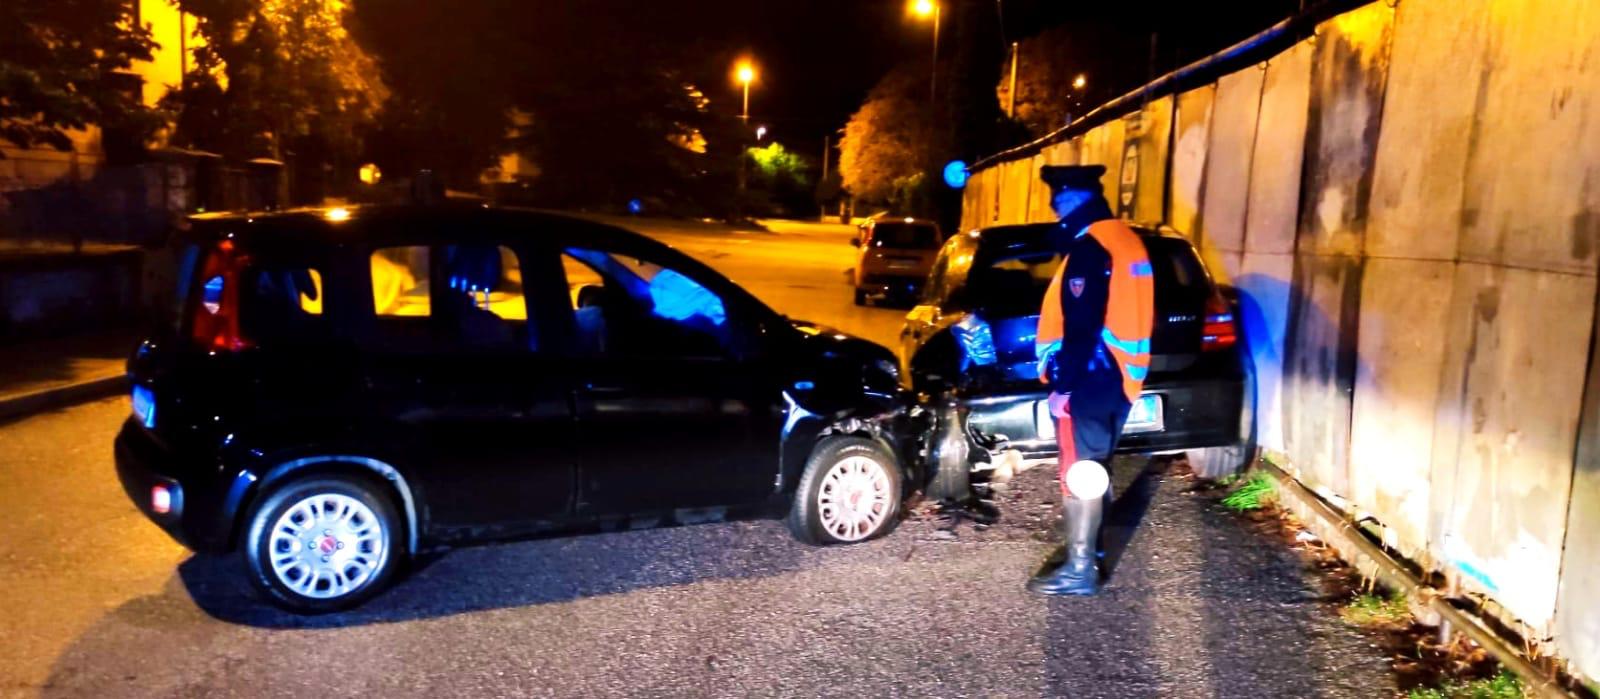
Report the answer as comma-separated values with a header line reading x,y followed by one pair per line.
x,y
1080,574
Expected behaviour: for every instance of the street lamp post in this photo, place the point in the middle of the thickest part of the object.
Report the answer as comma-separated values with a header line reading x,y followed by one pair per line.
x,y
926,9
746,74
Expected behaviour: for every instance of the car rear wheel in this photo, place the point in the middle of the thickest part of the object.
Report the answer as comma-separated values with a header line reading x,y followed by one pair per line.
x,y
1217,462
322,544
861,297
850,492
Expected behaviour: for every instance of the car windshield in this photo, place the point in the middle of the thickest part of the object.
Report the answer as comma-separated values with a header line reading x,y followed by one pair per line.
x,y
910,236
1013,284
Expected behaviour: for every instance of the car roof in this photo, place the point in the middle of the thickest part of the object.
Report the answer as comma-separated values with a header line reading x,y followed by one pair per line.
x,y
906,220
339,224
1024,236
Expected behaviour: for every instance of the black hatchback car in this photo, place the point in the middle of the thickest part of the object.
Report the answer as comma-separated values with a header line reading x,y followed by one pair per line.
x,y
346,388
970,346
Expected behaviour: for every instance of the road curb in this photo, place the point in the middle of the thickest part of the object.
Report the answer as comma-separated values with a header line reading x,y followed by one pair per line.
x,y
61,396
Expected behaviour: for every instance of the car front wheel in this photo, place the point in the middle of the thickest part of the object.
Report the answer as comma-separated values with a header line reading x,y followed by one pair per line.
x,y
850,491
322,544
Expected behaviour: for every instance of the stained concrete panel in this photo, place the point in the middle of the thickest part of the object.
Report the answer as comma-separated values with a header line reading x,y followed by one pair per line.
x,y
972,202
1263,280
1229,151
1505,430
1320,365
1577,606
991,194
1274,199
1350,61
1102,145
1191,135
1397,393
1532,192
1152,140
1013,190
1417,182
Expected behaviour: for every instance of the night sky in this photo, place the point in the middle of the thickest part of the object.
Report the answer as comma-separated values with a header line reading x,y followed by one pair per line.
x,y
818,58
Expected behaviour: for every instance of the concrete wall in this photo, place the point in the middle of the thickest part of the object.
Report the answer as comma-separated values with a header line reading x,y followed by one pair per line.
x,y
1407,204
46,294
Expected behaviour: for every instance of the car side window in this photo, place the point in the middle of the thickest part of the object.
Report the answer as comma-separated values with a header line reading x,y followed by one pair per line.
x,y
627,306
400,282
462,296
484,297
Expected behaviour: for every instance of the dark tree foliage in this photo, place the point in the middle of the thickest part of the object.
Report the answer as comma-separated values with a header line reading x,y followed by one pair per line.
x,y
449,69
59,70
611,99
892,143
275,78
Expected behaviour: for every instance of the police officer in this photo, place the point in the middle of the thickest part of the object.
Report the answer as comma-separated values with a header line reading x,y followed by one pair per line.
x,y
1094,351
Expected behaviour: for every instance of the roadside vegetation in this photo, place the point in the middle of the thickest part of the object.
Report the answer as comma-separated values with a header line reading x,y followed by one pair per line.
x,y
1424,668
1372,610
1502,686
1253,493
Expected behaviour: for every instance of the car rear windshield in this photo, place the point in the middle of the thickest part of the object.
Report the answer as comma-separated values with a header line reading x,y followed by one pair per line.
x,y
918,236
1012,285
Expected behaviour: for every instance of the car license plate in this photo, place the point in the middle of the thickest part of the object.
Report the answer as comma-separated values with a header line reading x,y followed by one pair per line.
x,y
144,406
902,264
1144,416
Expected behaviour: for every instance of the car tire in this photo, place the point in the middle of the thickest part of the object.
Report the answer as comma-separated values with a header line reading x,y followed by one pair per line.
x,y
1218,462
841,472
861,297
353,556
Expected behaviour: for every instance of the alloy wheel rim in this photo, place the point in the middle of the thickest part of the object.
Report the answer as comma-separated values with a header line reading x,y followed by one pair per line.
x,y
327,545
854,500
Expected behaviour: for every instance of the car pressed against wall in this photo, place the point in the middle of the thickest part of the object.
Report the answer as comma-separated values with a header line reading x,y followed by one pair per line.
x,y
341,393
969,345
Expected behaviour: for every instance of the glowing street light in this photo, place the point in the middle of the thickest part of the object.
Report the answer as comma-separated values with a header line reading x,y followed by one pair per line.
x,y
1079,82
924,9
745,72
760,132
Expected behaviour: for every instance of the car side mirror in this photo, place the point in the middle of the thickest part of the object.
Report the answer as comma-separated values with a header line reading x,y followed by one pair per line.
x,y
855,242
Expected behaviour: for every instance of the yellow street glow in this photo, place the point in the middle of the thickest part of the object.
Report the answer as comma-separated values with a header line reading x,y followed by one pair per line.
x,y
1080,81
923,8
337,214
745,72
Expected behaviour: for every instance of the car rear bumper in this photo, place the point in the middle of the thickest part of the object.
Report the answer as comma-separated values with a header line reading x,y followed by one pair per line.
x,y
198,515
891,284
1195,414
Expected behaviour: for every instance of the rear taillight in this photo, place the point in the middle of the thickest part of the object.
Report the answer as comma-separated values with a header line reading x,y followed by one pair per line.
x,y
215,316
160,499
1219,332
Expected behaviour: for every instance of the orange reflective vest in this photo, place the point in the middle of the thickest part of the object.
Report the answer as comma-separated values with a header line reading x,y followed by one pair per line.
x,y
1130,307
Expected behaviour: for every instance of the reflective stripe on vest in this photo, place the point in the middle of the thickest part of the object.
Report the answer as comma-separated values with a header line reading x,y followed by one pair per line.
x,y
1130,305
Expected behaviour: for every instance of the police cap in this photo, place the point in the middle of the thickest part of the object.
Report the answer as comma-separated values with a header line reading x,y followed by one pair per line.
x,y
1060,177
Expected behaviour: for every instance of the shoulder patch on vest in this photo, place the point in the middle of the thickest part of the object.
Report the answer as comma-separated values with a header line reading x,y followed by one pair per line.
x,y
1076,285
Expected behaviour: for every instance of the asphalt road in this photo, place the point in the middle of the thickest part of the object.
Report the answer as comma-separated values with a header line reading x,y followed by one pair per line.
x,y
96,601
